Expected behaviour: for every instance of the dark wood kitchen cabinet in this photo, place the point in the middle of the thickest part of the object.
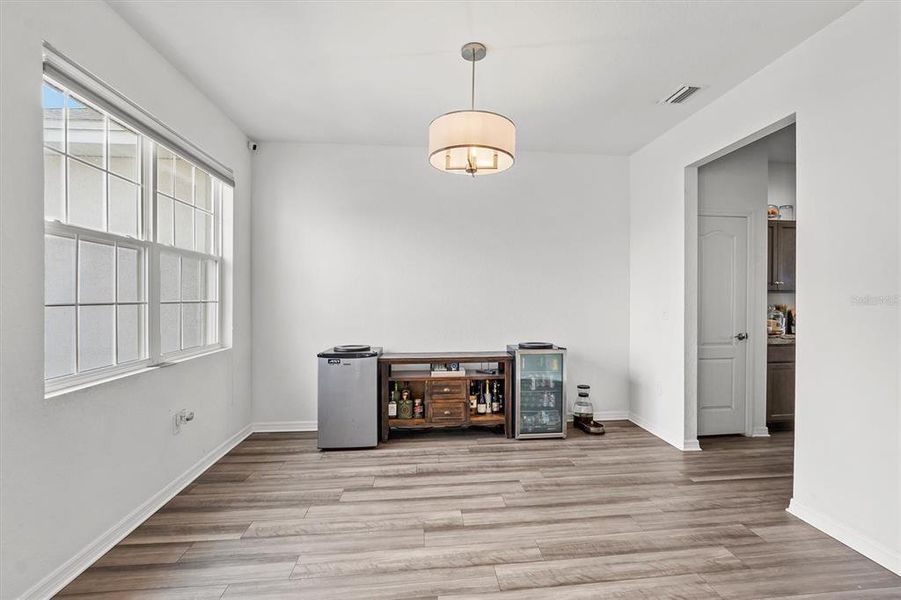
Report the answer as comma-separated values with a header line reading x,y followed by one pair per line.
x,y
781,244
780,386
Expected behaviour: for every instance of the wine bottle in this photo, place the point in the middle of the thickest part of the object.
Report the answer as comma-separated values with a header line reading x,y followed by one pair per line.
x,y
495,401
480,407
488,403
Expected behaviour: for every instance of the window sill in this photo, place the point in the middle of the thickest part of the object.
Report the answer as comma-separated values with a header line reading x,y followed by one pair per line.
x,y
115,377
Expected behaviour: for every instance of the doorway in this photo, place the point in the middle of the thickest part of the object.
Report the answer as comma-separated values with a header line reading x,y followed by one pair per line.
x,y
731,288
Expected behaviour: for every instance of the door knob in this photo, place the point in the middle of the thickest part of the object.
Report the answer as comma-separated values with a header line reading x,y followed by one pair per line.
x,y
741,336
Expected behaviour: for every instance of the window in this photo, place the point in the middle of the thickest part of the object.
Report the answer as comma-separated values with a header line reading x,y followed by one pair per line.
x,y
132,246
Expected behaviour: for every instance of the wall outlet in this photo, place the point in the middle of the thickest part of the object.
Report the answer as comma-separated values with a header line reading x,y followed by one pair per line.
x,y
182,417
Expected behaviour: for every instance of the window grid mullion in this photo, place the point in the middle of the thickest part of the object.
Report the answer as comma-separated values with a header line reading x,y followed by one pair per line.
x,y
151,233
77,300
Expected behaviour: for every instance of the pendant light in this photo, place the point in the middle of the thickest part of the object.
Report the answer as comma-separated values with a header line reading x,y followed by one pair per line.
x,y
472,142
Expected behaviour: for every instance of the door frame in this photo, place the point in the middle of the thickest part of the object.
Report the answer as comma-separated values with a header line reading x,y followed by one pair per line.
x,y
690,321
755,394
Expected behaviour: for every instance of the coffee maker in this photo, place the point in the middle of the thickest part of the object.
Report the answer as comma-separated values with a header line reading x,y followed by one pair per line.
x,y
583,412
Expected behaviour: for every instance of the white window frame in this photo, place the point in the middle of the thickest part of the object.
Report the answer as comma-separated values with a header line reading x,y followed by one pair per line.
x,y
148,241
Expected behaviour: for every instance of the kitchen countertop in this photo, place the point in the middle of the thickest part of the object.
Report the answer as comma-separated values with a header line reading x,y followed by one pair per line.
x,y
780,340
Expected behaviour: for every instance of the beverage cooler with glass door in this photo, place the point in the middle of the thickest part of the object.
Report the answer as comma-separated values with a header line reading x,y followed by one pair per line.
x,y
539,389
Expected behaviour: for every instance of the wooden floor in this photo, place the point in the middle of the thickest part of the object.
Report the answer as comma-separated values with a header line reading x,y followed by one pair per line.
x,y
472,515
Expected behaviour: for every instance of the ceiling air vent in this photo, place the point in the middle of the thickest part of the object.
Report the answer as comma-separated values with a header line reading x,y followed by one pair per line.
x,y
681,95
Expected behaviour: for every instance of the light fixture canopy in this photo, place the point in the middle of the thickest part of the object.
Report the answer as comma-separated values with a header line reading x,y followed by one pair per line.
x,y
472,142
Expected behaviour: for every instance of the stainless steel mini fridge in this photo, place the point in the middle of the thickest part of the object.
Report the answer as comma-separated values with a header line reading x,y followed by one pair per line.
x,y
539,389
348,397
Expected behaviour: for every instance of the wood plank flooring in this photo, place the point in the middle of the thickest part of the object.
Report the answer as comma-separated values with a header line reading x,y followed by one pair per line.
x,y
471,515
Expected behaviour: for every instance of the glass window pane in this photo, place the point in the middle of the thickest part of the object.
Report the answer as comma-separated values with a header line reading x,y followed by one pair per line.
x,y
211,280
170,281
86,133
59,270
54,119
203,232
96,272
184,180
202,192
190,279
96,337
124,200
59,341
184,226
169,323
128,277
165,171
86,196
165,220
211,323
129,325
192,325
123,151
54,186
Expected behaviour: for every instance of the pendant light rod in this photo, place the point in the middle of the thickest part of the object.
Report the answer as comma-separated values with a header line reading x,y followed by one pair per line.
x,y
473,52
472,97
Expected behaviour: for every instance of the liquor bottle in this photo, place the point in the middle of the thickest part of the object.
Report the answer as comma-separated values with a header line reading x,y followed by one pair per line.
x,y
392,408
473,398
406,393
488,403
480,406
395,393
500,399
495,401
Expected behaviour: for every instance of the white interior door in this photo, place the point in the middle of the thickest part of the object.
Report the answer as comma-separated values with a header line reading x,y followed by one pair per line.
x,y
722,324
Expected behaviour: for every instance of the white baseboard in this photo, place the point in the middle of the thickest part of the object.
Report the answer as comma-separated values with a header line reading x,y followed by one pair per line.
x,y
278,426
872,549
73,567
760,432
691,445
684,445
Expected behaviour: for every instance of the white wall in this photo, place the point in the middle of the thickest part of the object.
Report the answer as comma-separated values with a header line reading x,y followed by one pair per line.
x,y
736,184
847,437
75,465
781,189
356,244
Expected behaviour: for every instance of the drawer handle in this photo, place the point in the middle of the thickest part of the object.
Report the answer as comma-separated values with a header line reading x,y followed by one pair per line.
x,y
447,412
447,389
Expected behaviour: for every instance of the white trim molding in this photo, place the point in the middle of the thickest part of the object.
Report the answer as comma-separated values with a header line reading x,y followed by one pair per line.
x,y
687,445
72,568
758,431
280,426
872,549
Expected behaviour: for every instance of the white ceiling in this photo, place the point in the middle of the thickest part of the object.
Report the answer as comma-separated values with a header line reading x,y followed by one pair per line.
x,y
575,77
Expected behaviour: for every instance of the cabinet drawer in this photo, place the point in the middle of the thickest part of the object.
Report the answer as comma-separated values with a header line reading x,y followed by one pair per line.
x,y
448,412
780,354
448,389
